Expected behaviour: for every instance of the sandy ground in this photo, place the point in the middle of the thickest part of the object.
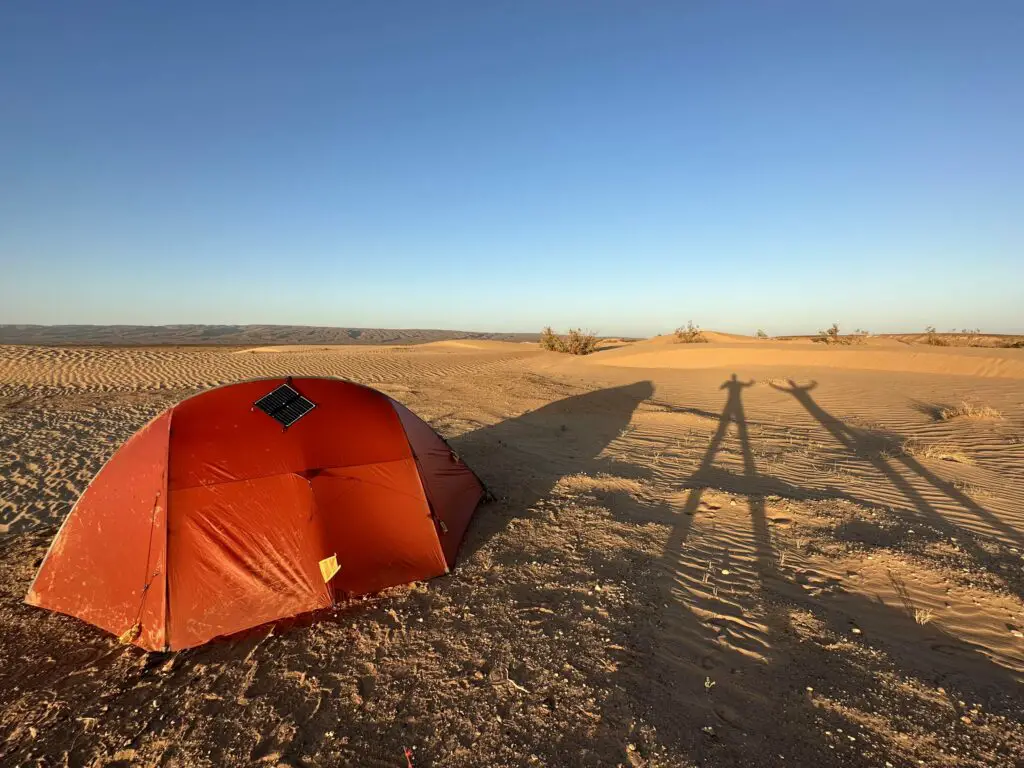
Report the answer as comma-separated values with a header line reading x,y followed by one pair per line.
x,y
231,335
738,553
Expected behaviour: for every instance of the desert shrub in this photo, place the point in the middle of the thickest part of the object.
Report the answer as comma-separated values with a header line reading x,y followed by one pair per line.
x,y
1015,344
760,334
690,334
973,337
831,336
969,411
931,337
576,342
579,342
549,340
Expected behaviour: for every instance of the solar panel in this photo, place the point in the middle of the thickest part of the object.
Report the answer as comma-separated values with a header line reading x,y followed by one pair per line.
x,y
285,405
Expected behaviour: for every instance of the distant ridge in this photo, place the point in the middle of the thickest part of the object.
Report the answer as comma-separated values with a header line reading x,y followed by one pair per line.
x,y
232,335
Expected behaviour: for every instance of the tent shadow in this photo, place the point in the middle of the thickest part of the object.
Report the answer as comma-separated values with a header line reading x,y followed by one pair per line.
x,y
521,459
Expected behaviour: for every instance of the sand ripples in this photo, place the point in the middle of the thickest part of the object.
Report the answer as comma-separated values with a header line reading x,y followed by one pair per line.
x,y
129,369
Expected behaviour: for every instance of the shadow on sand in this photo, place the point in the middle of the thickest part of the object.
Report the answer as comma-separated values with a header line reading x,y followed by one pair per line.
x,y
717,669
859,443
521,459
733,669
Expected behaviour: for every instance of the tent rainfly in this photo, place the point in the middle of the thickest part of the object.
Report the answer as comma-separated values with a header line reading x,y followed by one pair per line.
x,y
253,502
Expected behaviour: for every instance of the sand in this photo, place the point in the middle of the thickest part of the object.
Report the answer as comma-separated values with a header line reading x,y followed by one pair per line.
x,y
727,554
232,335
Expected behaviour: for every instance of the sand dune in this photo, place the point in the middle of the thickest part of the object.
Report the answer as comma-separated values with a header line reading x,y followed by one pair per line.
x,y
880,355
121,368
725,554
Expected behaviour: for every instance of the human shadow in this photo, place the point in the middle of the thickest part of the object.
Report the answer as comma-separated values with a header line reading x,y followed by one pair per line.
x,y
722,672
860,443
706,474
521,459
682,653
681,682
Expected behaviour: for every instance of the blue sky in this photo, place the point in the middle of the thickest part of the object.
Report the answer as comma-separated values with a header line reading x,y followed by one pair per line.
x,y
502,166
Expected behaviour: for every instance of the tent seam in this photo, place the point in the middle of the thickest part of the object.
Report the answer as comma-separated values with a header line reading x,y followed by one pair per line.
x,y
287,472
71,512
439,526
167,535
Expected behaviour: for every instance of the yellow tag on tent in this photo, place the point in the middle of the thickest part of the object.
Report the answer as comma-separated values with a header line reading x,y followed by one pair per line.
x,y
329,567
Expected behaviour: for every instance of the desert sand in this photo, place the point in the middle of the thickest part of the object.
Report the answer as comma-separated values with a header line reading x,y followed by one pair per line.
x,y
736,553
142,335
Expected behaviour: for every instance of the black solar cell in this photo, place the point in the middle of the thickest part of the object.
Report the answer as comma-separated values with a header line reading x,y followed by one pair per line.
x,y
293,411
285,405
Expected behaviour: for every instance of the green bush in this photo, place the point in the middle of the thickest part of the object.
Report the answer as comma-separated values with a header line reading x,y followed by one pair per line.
x,y
549,340
576,342
690,334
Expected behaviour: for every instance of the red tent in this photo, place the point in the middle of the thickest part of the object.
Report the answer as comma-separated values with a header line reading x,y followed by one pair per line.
x,y
256,501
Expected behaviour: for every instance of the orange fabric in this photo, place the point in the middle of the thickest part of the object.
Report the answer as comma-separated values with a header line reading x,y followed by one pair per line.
x,y
452,489
380,526
242,554
113,544
213,518
218,437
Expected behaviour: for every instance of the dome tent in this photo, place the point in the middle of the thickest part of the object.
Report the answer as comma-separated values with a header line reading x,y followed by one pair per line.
x,y
253,502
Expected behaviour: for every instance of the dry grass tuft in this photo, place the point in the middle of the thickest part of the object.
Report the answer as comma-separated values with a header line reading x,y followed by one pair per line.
x,y
969,411
970,489
690,334
941,451
923,615
576,342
